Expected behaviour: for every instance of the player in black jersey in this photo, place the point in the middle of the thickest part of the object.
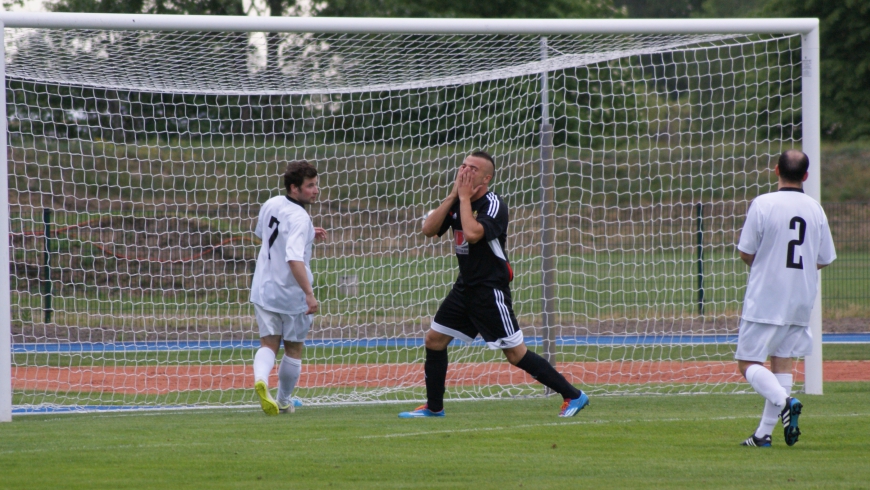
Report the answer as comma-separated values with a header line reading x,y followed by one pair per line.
x,y
480,301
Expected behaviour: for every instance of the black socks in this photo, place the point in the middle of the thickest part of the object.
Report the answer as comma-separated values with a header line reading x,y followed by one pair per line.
x,y
541,370
435,369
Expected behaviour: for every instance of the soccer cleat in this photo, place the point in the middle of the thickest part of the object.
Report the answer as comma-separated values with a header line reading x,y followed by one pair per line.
x,y
266,400
571,407
421,412
290,407
789,416
757,441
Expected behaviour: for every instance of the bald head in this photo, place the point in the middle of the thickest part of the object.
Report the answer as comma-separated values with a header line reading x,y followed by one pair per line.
x,y
793,166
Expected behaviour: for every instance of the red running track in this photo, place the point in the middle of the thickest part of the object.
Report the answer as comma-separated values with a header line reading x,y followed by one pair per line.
x,y
168,379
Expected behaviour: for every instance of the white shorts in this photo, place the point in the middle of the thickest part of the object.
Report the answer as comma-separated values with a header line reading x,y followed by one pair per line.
x,y
757,341
292,328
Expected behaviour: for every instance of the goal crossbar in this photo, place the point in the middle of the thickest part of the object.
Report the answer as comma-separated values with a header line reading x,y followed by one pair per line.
x,y
370,25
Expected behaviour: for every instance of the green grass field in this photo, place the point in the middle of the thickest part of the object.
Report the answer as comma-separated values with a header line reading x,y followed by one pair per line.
x,y
618,442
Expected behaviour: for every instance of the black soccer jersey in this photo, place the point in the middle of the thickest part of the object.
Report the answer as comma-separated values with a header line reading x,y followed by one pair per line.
x,y
484,263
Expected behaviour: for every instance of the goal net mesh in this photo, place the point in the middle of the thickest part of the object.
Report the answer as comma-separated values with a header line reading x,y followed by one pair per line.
x,y
138,161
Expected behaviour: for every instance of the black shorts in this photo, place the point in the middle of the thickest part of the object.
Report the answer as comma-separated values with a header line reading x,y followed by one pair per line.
x,y
479,310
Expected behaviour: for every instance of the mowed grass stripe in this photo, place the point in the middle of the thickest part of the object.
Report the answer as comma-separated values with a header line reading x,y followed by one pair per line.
x,y
617,442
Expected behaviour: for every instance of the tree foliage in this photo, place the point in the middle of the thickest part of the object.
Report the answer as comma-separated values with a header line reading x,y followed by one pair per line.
x,y
557,9
844,32
190,7
656,9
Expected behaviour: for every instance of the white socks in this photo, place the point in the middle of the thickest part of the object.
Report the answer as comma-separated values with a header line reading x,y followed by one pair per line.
x,y
766,384
288,376
785,380
264,361
770,415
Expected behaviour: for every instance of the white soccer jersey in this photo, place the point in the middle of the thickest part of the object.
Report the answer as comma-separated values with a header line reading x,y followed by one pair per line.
x,y
788,233
288,234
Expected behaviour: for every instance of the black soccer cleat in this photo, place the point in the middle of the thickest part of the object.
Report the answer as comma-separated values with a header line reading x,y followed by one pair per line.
x,y
789,416
757,441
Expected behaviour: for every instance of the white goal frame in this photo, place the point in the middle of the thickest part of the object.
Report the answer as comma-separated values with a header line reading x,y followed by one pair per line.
x,y
807,28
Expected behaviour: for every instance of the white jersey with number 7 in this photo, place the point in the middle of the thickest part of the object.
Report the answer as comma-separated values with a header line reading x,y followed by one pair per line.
x,y
788,233
288,234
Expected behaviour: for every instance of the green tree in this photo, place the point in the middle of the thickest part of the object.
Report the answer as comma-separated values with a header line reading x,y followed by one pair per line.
x,y
465,8
190,7
657,9
844,33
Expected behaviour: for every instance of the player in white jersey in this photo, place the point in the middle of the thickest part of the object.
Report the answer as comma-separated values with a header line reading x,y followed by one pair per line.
x,y
282,290
785,240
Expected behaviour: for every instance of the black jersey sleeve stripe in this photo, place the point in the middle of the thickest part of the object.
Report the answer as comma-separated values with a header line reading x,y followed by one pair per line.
x,y
494,205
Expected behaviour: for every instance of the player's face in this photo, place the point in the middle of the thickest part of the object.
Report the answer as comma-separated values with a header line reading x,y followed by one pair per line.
x,y
306,194
479,168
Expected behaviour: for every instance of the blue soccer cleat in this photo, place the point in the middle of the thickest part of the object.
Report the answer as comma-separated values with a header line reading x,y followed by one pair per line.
x,y
290,407
421,412
571,407
757,441
789,416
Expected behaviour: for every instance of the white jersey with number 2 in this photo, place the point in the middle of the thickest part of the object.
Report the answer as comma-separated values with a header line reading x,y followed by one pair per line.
x,y
288,234
788,233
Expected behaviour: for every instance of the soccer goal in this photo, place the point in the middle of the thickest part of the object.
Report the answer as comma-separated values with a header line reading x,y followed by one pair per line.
x,y
138,150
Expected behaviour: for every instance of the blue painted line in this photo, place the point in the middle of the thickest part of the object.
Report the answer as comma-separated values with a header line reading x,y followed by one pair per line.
x,y
612,340
846,338
93,408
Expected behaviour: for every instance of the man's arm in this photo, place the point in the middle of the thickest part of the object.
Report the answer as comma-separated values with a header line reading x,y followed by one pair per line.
x,y
297,267
433,222
470,227
748,258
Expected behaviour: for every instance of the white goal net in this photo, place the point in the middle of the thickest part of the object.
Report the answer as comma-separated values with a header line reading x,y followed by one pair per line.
x,y
138,161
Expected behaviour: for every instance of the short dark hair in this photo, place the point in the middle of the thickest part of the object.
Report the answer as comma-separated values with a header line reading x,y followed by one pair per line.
x,y
793,165
297,172
485,156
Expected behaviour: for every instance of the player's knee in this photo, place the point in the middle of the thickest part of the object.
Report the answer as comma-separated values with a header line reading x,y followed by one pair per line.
x,y
437,340
742,366
515,354
271,341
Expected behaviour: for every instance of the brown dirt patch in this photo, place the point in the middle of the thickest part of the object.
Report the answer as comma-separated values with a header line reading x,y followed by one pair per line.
x,y
155,380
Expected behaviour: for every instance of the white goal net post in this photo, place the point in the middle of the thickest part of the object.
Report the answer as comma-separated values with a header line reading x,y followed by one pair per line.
x,y
138,149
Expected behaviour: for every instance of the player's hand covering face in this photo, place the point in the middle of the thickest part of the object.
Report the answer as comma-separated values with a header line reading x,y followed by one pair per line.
x,y
473,174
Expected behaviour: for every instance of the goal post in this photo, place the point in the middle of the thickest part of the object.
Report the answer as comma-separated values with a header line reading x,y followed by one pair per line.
x,y
138,149
812,146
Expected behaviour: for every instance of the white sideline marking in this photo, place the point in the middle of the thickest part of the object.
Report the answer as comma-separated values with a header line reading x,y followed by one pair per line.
x,y
576,422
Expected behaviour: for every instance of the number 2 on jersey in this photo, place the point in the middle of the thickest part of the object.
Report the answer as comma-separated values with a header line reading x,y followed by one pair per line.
x,y
802,229
274,235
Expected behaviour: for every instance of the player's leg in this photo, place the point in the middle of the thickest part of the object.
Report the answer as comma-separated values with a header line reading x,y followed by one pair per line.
x,y
781,368
289,372
435,374
495,319
450,322
573,400
797,342
295,330
755,342
269,324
